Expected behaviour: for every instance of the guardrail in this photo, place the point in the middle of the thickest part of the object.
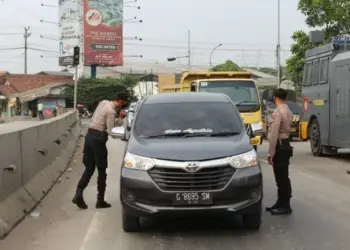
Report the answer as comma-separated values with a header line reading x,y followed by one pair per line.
x,y
31,161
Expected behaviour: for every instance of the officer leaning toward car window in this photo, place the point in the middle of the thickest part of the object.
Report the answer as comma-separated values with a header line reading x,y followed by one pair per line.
x,y
280,152
95,148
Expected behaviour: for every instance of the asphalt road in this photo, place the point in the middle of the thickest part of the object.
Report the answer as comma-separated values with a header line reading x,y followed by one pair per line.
x,y
321,218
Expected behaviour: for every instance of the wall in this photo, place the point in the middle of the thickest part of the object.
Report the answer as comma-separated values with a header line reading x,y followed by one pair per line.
x,y
40,155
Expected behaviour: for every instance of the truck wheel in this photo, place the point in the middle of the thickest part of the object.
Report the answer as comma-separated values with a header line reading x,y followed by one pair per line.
x,y
252,221
315,139
130,224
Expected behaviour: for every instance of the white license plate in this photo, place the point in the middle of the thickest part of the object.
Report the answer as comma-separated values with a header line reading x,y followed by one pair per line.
x,y
191,198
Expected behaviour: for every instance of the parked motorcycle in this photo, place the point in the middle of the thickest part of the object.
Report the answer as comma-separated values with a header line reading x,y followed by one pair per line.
x,y
83,112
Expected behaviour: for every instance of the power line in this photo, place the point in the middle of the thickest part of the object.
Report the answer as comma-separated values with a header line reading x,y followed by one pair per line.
x,y
12,58
202,48
211,43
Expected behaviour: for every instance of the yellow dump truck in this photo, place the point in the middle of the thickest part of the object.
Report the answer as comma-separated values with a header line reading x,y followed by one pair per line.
x,y
239,86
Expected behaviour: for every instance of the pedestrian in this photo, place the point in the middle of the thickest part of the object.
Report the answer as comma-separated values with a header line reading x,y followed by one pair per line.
x,y
40,110
95,149
280,152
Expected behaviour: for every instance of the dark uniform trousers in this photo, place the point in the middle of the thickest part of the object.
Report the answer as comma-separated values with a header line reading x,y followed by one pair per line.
x,y
281,171
95,156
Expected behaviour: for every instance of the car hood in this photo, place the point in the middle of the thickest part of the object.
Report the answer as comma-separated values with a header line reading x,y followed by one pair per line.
x,y
190,149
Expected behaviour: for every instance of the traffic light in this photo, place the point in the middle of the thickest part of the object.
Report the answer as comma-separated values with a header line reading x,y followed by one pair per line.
x,y
76,56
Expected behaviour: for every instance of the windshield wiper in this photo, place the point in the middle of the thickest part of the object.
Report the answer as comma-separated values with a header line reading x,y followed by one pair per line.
x,y
212,134
247,102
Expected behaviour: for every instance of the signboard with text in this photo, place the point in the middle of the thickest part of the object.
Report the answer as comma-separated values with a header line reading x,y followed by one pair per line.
x,y
70,30
103,32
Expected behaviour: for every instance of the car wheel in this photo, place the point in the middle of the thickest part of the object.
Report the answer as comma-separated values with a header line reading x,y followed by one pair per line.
x,y
252,221
130,223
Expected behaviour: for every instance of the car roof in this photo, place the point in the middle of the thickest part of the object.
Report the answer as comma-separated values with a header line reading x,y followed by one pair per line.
x,y
187,97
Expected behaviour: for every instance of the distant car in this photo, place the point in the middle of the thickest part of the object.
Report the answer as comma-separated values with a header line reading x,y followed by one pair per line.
x,y
297,113
188,154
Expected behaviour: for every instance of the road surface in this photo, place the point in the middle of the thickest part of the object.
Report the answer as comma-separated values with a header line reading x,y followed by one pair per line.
x,y
321,218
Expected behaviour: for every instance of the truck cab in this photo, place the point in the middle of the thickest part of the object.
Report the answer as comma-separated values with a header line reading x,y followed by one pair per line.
x,y
239,86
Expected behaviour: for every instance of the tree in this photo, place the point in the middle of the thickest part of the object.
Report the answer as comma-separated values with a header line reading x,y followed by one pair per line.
x,y
300,45
227,66
333,16
91,91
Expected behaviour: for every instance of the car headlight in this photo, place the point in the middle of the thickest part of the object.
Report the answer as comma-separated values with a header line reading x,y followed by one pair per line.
x,y
138,162
245,160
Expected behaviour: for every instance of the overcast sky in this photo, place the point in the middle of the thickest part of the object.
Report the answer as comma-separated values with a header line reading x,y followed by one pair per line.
x,y
243,27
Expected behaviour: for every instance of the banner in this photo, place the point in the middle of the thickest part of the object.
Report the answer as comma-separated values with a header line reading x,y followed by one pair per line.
x,y
103,32
70,29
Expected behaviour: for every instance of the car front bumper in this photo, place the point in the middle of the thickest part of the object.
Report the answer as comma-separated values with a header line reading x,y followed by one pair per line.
x,y
141,197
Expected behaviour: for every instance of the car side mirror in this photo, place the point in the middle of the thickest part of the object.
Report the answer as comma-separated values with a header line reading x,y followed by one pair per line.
x,y
255,129
118,133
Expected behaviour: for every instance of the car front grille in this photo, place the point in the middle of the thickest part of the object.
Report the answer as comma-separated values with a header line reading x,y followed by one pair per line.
x,y
175,179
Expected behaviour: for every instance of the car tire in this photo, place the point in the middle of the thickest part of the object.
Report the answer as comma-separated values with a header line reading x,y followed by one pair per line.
x,y
252,221
130,223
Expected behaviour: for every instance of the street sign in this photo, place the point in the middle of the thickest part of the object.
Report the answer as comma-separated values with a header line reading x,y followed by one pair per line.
x,y
66,60
105,47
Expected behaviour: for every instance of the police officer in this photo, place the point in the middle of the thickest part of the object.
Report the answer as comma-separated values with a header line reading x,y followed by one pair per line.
x,y
95,149
280,152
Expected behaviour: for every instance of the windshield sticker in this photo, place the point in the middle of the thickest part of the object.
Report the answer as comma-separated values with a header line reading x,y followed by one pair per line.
x,y
189,130
204,84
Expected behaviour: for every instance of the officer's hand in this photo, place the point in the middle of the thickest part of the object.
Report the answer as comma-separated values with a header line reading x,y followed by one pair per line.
x,y
269,160
122,114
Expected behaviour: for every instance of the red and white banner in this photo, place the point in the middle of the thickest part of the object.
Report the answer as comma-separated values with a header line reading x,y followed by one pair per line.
x,y
103,32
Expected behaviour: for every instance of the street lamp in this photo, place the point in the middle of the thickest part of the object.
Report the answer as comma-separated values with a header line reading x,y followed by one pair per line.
x,y
211,53
171,59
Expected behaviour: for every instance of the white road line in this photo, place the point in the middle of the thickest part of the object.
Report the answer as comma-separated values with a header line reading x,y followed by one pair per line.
x,y
94,227
93,230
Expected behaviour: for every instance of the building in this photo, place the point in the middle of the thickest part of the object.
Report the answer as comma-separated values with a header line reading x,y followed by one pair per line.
x,y
19,93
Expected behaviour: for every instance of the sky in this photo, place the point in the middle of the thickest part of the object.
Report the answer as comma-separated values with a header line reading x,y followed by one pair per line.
x,y
246,29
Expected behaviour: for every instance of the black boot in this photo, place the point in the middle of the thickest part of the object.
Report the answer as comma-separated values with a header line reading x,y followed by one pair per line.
x,y
101,203
79,199
274,206
284,209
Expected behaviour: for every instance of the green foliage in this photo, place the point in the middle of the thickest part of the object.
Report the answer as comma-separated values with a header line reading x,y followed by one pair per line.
x,y
94,90
333,16
300,45
227,66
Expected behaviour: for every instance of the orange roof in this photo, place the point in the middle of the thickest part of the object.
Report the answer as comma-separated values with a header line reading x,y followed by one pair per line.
x,y
18,83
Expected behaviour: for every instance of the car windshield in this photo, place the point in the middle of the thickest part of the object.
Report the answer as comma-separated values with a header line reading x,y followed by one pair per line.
x,y
242,93
187,118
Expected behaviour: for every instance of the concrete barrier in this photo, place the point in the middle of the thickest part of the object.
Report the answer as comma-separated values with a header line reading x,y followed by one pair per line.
x,y
40,154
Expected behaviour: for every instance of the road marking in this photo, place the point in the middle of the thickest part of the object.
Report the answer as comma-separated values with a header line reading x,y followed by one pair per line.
x,y
93,229
95,226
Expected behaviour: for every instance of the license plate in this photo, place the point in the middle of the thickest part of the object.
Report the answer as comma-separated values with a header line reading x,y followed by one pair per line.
x,y
293,130
193,198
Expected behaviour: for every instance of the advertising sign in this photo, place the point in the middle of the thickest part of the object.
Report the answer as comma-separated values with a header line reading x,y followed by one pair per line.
x,y
70,29
103,32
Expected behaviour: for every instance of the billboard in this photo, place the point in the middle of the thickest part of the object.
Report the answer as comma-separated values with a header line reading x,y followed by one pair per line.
x,y
103,32
70,30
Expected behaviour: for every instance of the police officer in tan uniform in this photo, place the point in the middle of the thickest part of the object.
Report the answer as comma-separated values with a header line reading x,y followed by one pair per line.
x,y
280,152
95,149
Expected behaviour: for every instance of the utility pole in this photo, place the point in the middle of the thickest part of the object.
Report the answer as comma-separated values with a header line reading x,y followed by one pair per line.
x,y
26,35
278,48
189,51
